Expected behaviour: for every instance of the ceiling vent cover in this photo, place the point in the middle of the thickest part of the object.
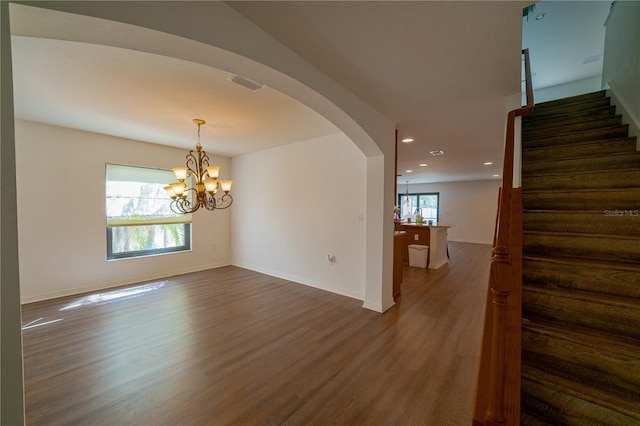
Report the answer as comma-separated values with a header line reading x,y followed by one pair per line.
x,y
245,82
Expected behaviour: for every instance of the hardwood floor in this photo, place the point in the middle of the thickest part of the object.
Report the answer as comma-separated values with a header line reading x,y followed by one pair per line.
x,y
230,346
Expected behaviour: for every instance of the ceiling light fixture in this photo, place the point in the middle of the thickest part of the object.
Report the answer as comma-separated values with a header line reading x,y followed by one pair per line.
x,y
407,140
436,153
495,175
423,164
206,183
488,163
408,171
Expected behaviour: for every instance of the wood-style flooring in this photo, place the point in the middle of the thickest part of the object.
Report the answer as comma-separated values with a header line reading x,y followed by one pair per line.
x,y
230,346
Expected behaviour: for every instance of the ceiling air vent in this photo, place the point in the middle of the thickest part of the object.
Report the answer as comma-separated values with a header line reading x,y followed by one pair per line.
x,y
245,82
436,153
590,59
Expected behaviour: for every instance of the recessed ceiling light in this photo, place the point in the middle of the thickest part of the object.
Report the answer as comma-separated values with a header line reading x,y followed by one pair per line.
x,y
488,163
496,175
408,171
540,16
436,153
406,140
423,164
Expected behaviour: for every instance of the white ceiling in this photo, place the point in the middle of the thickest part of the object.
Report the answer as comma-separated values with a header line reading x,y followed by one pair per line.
x,y
440,70
569,34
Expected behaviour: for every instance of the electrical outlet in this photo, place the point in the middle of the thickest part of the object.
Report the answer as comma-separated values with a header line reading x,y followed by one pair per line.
x,y
416,236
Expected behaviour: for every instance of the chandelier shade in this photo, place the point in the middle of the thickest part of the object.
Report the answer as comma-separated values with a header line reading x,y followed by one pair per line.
x,y
204,178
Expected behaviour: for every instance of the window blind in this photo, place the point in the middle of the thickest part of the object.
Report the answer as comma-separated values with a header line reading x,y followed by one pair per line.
x,y
136,196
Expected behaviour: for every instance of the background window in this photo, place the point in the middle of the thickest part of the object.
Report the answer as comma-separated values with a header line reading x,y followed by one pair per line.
x,y
139,217
425,203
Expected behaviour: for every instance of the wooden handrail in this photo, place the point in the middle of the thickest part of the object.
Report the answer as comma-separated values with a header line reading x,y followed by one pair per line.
x,y
491,398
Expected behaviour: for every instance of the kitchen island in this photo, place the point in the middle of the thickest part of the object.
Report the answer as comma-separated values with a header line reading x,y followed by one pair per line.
x,y
434,236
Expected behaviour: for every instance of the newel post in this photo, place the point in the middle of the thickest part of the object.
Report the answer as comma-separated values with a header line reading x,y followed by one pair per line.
x,y
500,276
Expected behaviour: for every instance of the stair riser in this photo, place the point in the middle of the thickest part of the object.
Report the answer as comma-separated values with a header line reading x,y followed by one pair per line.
x,y
587,164
600,147
601,180
617,374
584,97
598,222
539,273
582,247
614,320
571,100
573,127
626,199
546,110
533,121
573,138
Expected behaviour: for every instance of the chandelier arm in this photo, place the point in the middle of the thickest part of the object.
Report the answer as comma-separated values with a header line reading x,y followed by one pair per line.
x,y
221,203
185,206
209,201
197,163
192,161
174,208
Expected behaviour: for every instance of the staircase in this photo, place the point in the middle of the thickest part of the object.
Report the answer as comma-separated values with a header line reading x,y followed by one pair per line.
x,y
581,266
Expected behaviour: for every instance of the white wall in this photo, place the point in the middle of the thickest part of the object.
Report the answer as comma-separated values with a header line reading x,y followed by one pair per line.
x,y
298,203
621,62
469,207
61,213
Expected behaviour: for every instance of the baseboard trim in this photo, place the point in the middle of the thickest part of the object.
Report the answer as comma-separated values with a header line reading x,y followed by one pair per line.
x,y
300,280
623,109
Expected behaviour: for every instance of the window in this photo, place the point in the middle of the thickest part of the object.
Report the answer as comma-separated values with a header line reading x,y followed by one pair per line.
x,y
139,217
425,203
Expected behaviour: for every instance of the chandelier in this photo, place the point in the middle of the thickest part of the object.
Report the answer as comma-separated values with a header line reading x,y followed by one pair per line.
x,y
187,199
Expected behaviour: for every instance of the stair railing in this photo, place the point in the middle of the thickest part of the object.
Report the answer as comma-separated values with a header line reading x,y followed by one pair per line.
x,y
493,392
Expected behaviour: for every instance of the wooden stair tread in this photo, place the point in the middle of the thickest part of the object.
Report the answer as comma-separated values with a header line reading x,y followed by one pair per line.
x,y
586,172
579,191
580,391
577,335
615,222
589,263
572,101
587,123
583,235
581,143
594,156
595,277
603,299
534,119
578,132
618,131
560,211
